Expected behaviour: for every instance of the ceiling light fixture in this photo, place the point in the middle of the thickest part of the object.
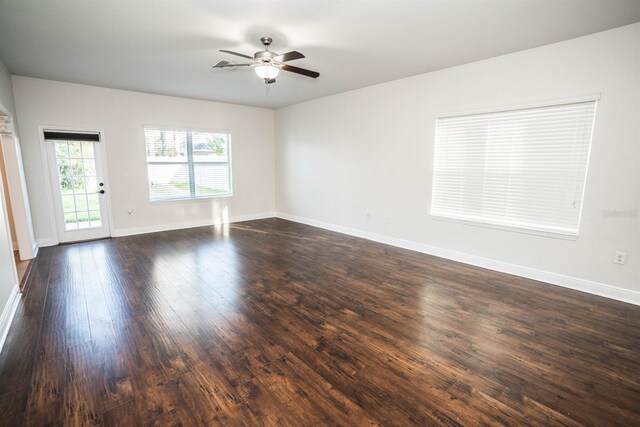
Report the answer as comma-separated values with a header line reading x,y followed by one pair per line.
x,y
267,71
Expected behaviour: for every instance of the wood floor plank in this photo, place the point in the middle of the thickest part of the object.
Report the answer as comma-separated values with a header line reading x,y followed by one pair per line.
x,y
123,415
13,407
271,322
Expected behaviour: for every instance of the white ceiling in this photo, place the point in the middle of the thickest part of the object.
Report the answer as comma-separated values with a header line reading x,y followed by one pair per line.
x,y
168,47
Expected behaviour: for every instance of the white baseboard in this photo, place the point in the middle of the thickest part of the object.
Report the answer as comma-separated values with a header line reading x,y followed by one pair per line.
x,y
120,232
49,241
583,285
7,314
251,217
34,249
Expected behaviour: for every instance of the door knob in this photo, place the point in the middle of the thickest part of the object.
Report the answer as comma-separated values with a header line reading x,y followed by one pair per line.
x,y
101,191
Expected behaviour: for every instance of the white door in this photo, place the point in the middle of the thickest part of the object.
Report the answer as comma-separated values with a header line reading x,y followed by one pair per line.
x,y
79,190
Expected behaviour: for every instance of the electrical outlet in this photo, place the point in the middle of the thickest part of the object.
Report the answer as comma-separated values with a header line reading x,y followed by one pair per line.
x,y
389,219
368,214
619,257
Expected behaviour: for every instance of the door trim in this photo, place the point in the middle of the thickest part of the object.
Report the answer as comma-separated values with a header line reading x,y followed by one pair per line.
x,y
47,171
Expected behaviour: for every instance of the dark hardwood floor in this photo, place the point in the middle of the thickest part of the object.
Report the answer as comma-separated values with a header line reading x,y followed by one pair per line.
x,y
271,322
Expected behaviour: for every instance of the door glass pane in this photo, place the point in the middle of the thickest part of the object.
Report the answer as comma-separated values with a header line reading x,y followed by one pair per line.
x,y
75,152
62,149
94,216
87,150
76,167
83,219
92,185
90,167
68,203
71,223
64,168
78,184
81,202
94,202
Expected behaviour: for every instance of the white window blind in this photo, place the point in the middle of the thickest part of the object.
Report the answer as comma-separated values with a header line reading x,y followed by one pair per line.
x,y
524,168
187,164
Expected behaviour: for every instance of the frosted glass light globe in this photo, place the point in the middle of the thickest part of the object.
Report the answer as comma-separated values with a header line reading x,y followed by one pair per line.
x,y
267,71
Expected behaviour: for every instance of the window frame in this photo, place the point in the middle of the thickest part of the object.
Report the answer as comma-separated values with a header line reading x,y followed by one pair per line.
x,y
504,109
190,163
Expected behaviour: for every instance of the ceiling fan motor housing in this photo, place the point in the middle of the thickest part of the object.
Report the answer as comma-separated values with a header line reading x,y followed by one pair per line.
x,y
265,55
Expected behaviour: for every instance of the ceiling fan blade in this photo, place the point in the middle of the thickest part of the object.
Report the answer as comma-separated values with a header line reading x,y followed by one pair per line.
x,y
236,54
289,56
302,71
227,64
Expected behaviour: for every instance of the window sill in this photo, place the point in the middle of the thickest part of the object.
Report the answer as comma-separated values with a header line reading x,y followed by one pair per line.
x,y
555,235
192,199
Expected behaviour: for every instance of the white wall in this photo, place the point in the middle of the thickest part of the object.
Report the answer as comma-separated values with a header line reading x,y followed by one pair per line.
x,y
6,90
122,115
371,151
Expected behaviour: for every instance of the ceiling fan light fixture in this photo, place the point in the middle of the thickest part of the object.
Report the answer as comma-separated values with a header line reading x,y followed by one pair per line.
x,y
268,64
267,71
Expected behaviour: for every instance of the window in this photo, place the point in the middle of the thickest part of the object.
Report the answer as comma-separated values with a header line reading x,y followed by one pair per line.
x,y
523,169
187,164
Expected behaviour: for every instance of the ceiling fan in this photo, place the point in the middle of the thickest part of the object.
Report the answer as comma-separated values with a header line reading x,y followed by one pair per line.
x,y
268,64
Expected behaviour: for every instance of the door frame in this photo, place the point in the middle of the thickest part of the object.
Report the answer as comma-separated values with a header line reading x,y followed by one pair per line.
x,y
47,171
4,217
19,195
